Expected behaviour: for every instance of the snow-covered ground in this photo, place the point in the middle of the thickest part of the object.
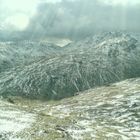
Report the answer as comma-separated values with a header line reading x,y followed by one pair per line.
x,y
110,112
13,121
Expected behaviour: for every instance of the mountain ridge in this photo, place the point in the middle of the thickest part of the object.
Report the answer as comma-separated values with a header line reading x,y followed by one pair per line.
x,y
114,58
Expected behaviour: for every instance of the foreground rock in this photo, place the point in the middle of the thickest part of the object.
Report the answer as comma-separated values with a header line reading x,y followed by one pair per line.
x,y
111,112
83,65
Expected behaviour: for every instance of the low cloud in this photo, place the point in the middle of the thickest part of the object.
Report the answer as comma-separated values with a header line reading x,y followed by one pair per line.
x,y
76,19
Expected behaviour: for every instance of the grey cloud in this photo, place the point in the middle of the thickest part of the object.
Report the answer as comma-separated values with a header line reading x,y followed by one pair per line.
x,y
79,18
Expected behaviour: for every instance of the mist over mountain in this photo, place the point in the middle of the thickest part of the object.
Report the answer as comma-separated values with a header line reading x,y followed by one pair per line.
x,y
94,57
81,18
69,69
77,19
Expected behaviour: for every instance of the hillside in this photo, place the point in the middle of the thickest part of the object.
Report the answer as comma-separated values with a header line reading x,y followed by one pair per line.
x,y
95,61
109,112
22,53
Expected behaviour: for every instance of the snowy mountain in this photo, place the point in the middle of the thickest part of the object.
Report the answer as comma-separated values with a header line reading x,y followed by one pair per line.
x,y
95,61
13,54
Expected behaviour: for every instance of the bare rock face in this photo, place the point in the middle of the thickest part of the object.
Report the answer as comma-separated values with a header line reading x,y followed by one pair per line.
x,y
95,61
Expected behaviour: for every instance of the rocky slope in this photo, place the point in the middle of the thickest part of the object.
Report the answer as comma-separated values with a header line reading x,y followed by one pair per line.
x,y
104,59
110,112
21,53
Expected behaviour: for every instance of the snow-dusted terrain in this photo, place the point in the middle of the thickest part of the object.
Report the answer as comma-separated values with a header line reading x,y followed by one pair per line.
x,y
21,53
110,112
95,61
86,68
13,121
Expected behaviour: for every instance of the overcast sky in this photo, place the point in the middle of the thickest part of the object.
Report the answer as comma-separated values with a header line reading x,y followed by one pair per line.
x,y
68,18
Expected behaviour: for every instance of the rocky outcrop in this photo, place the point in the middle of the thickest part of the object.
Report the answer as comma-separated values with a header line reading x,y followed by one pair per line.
x,y
105,59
